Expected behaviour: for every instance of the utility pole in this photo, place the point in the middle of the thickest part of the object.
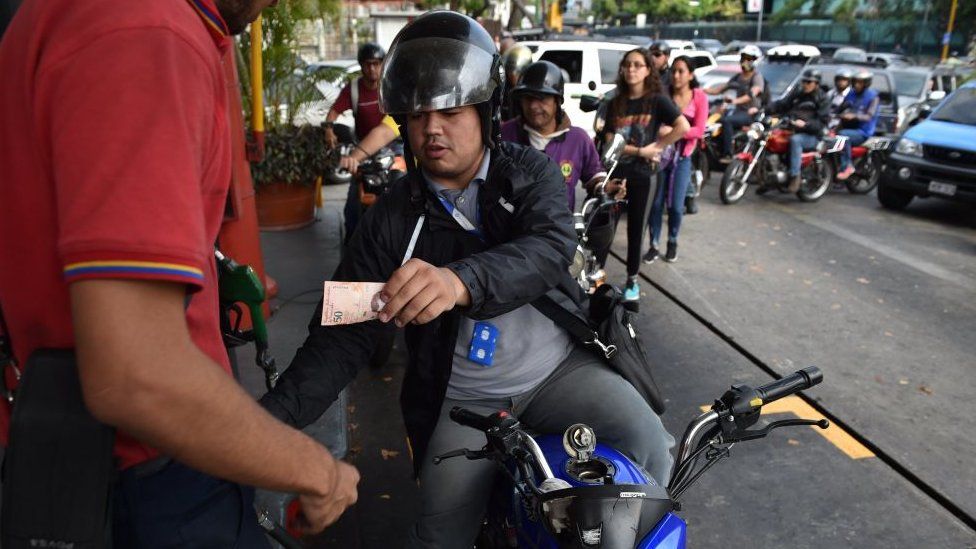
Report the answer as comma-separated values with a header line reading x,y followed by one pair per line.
x,y
948,35
762,8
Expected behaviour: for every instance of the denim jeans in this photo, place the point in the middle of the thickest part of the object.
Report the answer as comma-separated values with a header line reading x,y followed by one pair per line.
x,y
800,142
177,506
854,137
731,124
454,495
676,204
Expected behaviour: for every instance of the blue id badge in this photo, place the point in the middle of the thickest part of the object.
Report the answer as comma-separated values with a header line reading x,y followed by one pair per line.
x,y
483,341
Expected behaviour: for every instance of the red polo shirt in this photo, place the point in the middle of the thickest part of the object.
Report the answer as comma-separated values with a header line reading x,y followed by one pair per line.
x,y
115,155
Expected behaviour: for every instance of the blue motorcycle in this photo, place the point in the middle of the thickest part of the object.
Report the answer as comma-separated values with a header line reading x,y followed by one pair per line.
x,y
571,492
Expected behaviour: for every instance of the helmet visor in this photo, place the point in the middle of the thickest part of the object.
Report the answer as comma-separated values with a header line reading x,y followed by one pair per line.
x,y
431,74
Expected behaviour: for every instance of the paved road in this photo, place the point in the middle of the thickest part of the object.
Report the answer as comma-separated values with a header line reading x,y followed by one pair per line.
x,y
881,301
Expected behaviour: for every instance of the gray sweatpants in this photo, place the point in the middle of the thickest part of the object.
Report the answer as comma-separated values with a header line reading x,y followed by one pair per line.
x,y
454,494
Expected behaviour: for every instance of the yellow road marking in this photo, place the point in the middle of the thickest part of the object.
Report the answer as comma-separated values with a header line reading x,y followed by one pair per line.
x,y
834,434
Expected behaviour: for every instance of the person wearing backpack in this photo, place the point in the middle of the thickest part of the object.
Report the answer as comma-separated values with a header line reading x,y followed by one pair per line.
x,y
750,92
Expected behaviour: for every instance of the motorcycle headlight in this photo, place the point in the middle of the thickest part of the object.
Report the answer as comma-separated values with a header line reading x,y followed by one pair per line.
x,y
753,134
757,127
909,147
386,162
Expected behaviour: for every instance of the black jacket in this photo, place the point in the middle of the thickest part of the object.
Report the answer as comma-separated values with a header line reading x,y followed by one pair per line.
x,y
527,254
812,108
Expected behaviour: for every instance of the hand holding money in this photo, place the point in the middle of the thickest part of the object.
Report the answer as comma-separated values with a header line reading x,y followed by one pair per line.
x,y
351,302
419,292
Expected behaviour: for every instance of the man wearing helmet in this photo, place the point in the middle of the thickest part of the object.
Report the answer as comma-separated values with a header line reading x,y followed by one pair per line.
x,y
660,57
808,109
748,86
474,233
516,58
543,124
362,97
859,117
842,85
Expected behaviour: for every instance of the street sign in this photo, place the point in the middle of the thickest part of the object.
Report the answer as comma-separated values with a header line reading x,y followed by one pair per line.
x,y
754,6
946,38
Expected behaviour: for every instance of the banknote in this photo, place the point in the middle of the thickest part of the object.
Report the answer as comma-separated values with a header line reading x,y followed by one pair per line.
x,y
351,302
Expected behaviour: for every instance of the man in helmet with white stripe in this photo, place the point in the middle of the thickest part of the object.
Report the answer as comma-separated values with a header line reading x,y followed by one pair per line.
x,y
474,233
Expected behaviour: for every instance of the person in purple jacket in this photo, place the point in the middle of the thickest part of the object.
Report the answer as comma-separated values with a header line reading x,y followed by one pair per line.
x,y
543,125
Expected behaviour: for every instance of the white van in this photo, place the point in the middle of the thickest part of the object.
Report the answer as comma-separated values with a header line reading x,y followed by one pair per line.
x,y
592,68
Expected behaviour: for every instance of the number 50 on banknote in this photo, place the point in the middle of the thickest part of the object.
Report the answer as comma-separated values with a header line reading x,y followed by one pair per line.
x,y
351,302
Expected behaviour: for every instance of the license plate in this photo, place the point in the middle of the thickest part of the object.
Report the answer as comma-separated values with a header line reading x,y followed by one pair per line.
x,y
947,189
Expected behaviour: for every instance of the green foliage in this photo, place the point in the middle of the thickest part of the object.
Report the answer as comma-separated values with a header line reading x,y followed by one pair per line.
x,y
292,154
681,10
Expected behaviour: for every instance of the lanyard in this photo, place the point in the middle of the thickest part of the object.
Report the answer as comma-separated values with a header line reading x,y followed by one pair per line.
x,y
460,218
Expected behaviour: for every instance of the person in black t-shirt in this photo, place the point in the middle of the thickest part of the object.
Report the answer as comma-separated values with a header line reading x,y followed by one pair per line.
x,y
637,112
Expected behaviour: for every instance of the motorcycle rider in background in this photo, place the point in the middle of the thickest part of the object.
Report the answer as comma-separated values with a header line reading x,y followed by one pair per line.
x,y
858,118
514,60
808,110
837,95
748,86
544,125
661,58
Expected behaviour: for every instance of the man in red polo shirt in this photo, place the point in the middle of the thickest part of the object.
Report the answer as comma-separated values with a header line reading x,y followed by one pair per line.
x,y
115,147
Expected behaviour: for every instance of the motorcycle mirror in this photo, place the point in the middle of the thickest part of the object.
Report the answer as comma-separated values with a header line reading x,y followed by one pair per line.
x,y
589,103
937,95
614,150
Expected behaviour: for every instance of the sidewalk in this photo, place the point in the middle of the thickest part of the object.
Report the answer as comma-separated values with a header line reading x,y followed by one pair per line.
x,y
300,261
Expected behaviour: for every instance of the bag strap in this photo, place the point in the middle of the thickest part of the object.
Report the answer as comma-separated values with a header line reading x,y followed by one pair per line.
x,y
573,324
354,96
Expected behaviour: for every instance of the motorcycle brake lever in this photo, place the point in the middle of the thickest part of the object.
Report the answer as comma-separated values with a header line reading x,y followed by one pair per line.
x,y
762,433
470,454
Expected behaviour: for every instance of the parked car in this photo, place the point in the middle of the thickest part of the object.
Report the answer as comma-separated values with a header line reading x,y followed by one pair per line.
x,y
883,59
850,55
710,45
701,60
795,50
883,82
828,49
592,68
677,44
780,72
720,74
733,47
937,157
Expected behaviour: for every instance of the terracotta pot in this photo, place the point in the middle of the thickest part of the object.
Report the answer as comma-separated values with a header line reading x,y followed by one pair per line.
x,y
283,207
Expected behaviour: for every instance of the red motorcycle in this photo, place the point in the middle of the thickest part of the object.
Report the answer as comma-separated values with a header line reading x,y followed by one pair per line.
x,y
868,160
765,161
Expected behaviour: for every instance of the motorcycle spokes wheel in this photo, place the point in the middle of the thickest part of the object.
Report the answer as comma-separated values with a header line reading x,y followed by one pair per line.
x,y
866,178
733,182
817,178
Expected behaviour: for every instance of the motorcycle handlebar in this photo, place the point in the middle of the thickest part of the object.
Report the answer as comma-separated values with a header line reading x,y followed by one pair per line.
x,y
468,418
793,383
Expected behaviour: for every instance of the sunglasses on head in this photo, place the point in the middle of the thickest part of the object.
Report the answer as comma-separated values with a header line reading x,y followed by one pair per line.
x,y
809,81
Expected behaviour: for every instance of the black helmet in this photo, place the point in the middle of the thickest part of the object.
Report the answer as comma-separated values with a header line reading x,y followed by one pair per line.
x,y
370,50
542,77
661,46
865,76
442,60
812,74
843,74
517,58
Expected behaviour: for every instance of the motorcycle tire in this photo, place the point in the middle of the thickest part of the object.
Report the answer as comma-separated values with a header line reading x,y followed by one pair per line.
x,y
733,187
894,199
813,188
866,179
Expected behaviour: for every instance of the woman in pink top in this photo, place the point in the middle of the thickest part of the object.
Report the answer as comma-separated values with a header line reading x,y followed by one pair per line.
x,y
675,174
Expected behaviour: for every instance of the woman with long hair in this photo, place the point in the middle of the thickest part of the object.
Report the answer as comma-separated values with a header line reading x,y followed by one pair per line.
x,y
637,112
675,174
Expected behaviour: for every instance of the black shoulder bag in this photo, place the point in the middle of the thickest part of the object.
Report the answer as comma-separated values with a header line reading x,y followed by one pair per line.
x,y
611,334
58,468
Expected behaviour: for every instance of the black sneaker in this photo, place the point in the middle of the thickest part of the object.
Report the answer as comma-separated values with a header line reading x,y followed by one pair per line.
x,y
690,207
651,255
672,254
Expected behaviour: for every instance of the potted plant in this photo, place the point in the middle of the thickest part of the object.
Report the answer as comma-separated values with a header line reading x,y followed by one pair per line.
x,y
294,154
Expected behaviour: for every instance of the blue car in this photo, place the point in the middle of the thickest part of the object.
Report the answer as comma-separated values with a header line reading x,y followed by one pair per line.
x,y
937,157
